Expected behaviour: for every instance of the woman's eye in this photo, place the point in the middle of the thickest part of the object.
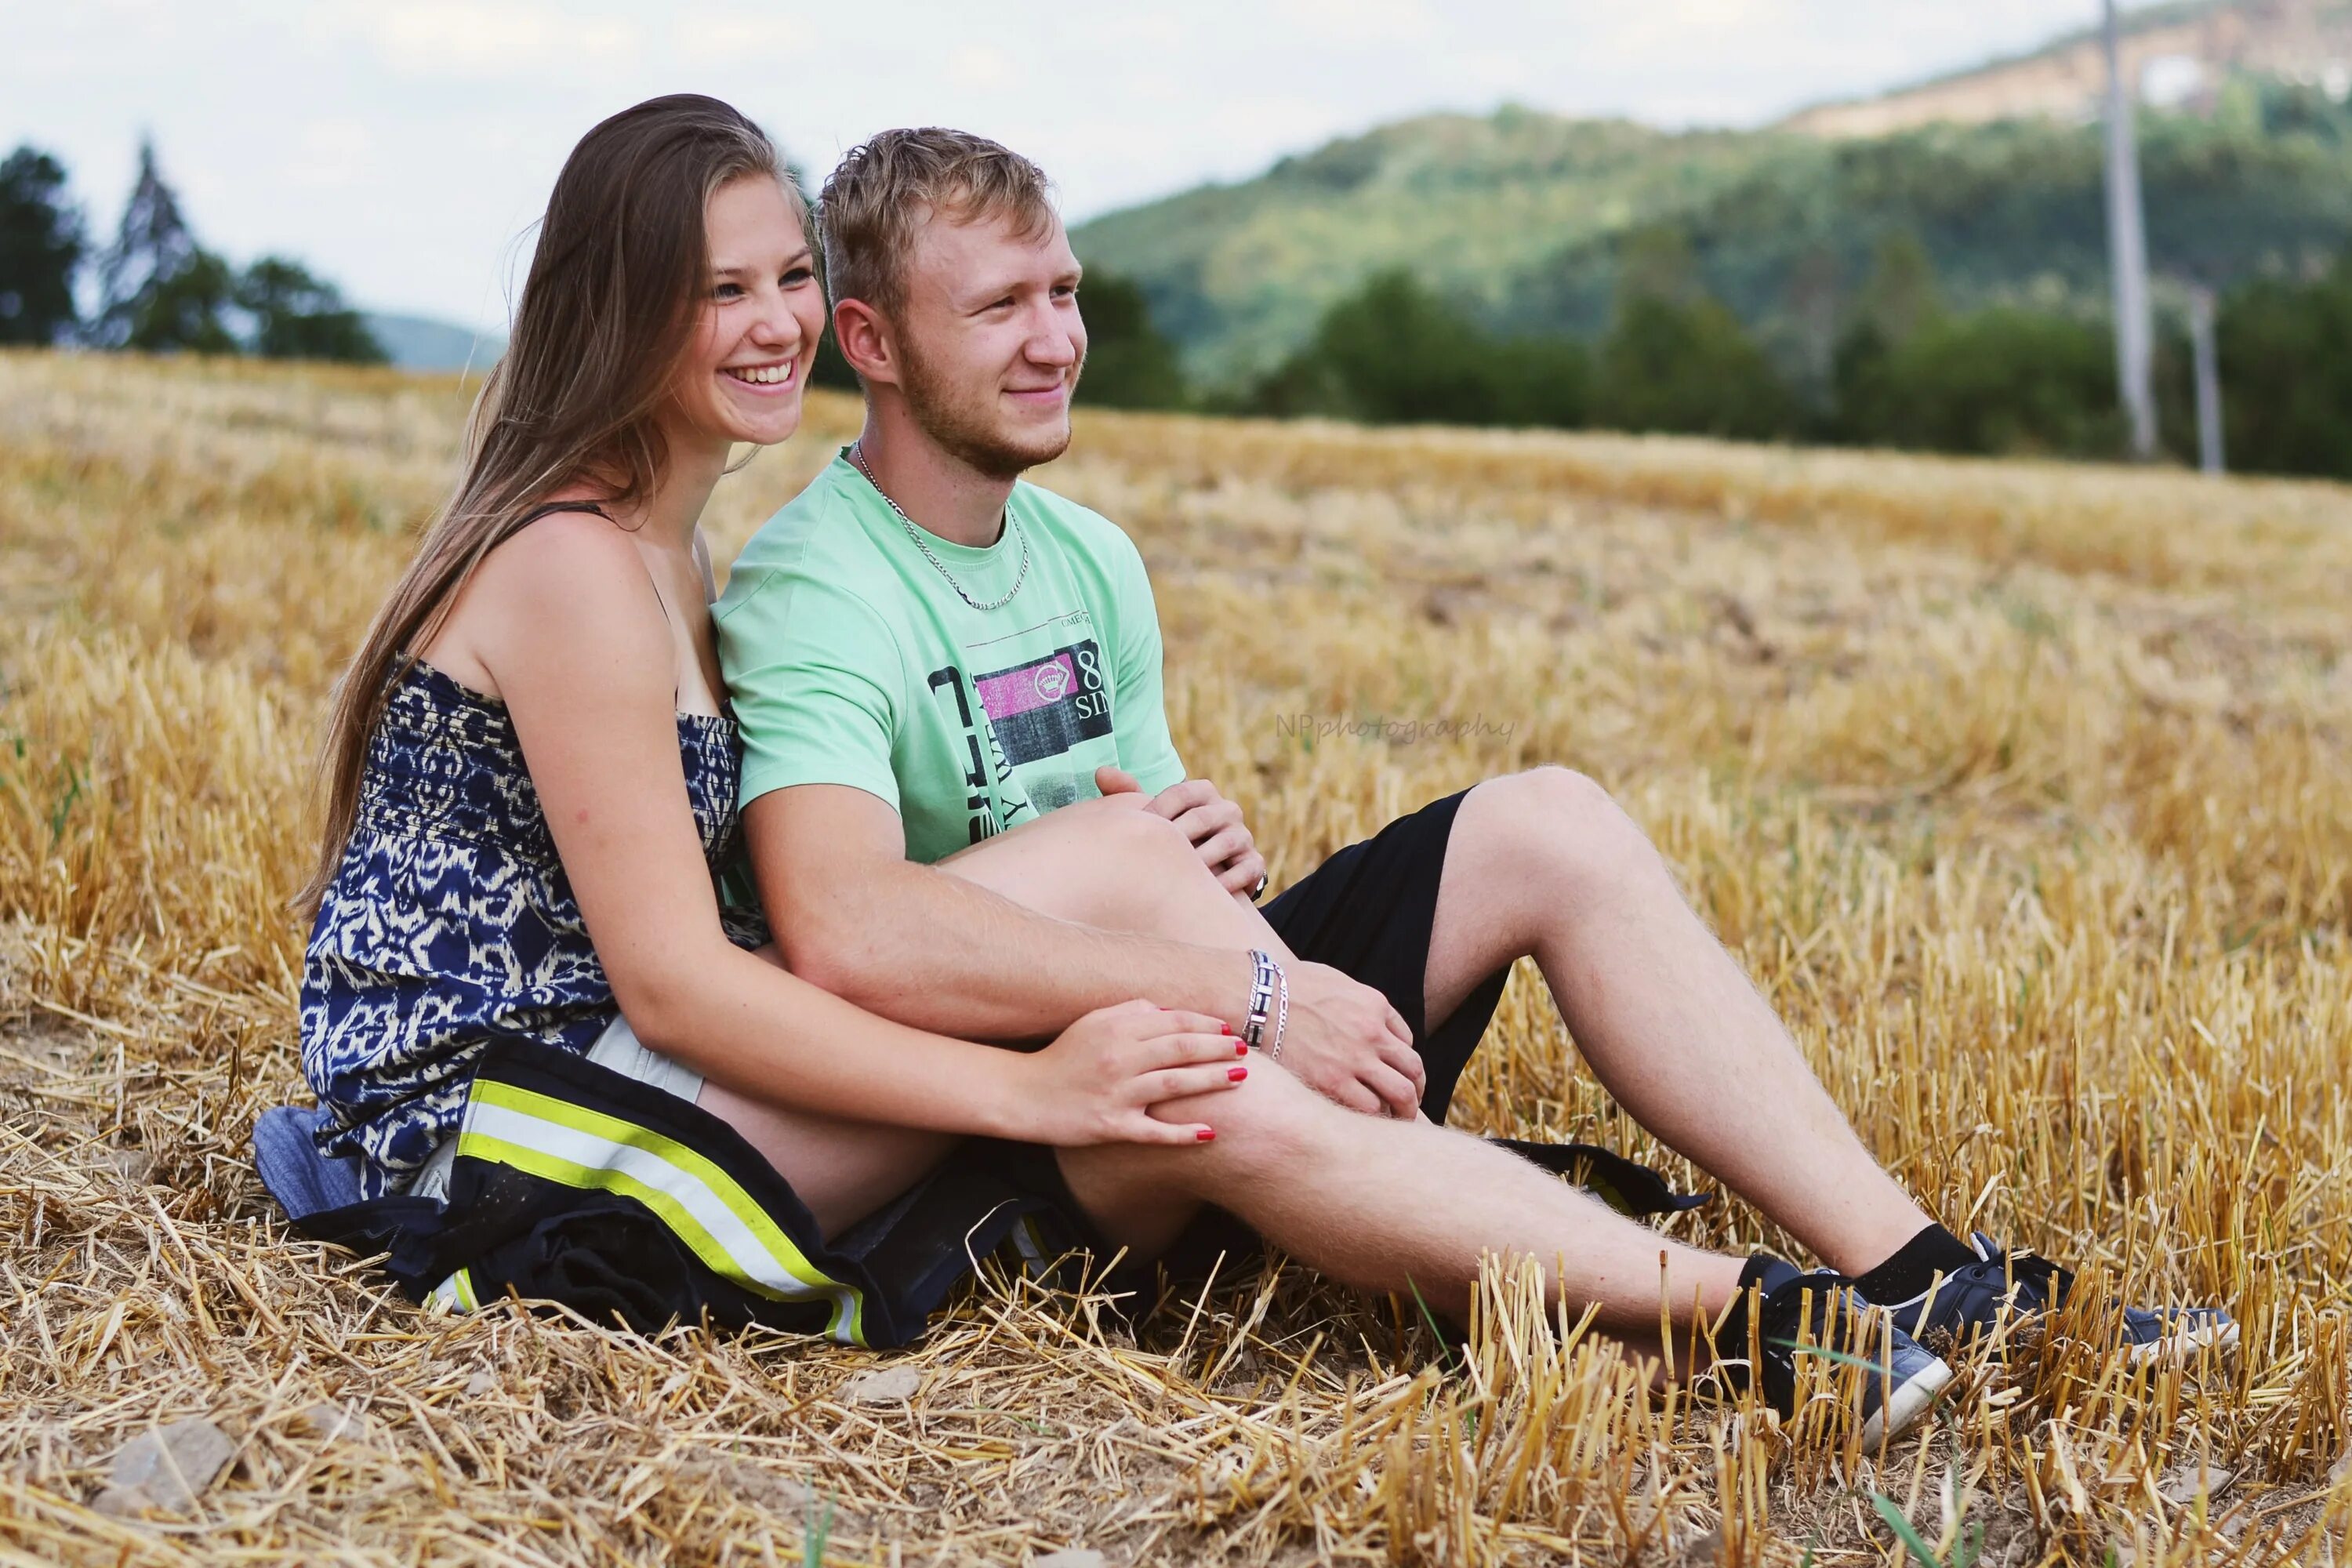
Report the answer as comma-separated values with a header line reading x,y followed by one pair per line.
x,y
727,291
798,276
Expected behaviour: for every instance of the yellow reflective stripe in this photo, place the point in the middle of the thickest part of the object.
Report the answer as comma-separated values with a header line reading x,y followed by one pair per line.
x,y
673,1162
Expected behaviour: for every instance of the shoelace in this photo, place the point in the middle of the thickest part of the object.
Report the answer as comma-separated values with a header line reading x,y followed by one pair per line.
x,y
2020,1272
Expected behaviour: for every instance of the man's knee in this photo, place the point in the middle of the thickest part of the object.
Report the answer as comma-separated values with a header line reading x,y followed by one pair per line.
x,y
1135,861
1266,1128
1561,819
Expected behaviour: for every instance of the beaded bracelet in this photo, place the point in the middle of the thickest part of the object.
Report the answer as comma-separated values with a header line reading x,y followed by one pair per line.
x,y
1281,1015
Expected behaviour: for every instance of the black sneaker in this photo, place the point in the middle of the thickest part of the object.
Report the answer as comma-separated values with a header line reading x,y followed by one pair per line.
x,y
1820,1315
2004,1291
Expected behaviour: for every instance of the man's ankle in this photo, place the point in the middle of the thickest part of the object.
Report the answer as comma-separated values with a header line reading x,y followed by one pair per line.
x,y
1913,1267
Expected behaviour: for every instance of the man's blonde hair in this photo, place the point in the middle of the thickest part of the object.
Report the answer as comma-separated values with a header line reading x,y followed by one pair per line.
x,y
875,204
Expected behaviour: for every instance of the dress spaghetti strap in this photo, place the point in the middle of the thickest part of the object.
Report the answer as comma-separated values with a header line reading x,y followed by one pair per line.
x,y
550,508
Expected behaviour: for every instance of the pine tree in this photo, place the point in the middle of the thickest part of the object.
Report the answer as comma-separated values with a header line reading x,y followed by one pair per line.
x,y
158,288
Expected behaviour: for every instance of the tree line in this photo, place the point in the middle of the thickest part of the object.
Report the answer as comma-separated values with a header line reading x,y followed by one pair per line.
x,y
1901,368
159,289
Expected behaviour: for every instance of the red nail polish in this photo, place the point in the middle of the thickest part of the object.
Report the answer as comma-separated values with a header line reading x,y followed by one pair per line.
x,y
1225,1028
1241,1048
1237,1074
1206,1133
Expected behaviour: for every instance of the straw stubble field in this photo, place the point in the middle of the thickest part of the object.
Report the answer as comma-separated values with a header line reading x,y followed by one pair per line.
x,y
2025,792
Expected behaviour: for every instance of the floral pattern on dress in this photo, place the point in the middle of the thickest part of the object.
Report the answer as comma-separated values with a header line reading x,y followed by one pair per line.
x,y
450,922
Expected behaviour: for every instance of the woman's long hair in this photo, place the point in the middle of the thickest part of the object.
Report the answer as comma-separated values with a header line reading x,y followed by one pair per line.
x,y
608,312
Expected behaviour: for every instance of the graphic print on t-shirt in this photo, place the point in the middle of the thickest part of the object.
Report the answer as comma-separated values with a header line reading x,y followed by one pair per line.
x,y
1041,696
1045,707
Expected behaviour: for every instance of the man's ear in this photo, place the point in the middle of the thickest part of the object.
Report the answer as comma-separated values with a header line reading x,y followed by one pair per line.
x,y
864,342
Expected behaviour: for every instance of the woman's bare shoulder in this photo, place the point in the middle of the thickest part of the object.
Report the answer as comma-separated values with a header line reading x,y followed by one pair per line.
x,y
561,580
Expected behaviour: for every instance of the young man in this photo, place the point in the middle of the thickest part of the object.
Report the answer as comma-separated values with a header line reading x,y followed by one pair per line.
x,y
964,812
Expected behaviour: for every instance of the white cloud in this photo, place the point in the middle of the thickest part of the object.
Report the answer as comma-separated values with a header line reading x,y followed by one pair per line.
x,y
980,66
328,152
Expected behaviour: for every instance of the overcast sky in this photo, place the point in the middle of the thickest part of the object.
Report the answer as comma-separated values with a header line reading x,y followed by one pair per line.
x,y
400,147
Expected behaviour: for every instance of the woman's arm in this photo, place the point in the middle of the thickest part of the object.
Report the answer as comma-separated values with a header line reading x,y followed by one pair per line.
x,y
565,621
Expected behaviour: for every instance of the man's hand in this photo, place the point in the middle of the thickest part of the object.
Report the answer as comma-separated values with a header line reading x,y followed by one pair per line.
x,y
1346,1041
1210,821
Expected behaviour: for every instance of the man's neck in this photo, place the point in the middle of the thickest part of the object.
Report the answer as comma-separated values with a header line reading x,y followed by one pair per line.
x,y
944,495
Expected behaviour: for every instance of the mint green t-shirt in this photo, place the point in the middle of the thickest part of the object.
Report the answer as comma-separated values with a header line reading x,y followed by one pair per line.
x,y
851,661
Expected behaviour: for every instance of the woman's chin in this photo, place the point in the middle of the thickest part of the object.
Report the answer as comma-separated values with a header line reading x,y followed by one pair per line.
x,y
767,428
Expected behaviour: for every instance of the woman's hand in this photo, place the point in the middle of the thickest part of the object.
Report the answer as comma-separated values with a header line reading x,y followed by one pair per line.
x,y
1098,1079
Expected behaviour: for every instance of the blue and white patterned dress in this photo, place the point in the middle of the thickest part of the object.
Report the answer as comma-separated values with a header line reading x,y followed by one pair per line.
x,y
451,924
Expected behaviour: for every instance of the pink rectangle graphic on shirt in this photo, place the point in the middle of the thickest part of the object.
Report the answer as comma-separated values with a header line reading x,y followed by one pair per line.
x,y
1037,685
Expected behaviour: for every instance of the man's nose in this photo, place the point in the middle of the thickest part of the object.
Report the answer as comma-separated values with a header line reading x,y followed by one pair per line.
x,y
1053,343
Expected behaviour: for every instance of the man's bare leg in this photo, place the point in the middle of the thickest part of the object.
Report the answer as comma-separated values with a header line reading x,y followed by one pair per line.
x,y
1545,863
1392,1205
1381,1204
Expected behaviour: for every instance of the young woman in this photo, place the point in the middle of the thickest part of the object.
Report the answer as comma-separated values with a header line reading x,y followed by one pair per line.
x,y
531,778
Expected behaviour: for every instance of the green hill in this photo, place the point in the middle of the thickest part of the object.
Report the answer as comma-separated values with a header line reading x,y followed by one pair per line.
x,y
421,343
1239,274
1521,217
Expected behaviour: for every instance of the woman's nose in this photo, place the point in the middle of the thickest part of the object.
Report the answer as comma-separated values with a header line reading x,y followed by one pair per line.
x,y
777,327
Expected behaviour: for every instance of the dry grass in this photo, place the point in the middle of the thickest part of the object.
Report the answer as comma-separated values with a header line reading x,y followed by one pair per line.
x,y
2026,793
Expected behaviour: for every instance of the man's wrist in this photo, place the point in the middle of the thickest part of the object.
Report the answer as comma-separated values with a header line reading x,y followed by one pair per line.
x,y
1266,977
1220,986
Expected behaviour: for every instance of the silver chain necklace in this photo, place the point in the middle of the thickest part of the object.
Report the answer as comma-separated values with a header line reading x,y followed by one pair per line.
x,y
857,457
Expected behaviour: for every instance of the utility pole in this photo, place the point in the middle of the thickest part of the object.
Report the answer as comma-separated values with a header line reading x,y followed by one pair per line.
x,y
2128,252
2209,379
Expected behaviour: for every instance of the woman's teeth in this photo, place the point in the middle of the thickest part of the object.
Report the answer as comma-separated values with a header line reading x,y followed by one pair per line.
x,y
765,375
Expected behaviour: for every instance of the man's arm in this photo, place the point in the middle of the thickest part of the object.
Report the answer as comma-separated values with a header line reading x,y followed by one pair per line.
x,y
818,681
934,949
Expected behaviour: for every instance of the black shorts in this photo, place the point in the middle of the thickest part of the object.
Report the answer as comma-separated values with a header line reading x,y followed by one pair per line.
x,y
1368,911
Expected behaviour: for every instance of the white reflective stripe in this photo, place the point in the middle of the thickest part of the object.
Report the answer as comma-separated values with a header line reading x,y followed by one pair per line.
x,y
754,1260
456,1293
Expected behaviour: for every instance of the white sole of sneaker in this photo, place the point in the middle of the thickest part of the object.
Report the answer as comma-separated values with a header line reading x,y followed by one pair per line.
x,y
1906,1405
2179,1347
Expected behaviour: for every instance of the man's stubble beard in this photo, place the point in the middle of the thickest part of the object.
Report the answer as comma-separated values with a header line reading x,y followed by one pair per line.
x,y
966,427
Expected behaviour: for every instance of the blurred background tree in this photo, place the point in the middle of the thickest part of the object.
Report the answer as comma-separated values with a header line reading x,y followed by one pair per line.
x,y
1394,352
1129,363
297,316
158,289
185,310
1999,383
42,246
161,291
2286,350
1677,359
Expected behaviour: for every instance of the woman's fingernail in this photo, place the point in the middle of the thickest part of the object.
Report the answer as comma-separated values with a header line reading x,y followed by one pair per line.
x,y
1237,1074
1225,1028
1206,1133
1241,1047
